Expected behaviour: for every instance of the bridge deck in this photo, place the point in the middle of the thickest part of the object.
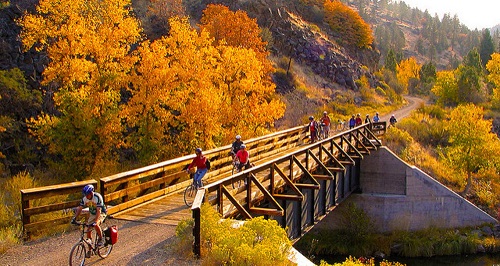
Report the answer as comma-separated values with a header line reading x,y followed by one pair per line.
x,y
168,210
171,209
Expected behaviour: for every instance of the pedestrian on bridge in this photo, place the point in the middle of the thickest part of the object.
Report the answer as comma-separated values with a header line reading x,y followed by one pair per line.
x,y
325,123
352,122
200,162
358,120
313,129
376,118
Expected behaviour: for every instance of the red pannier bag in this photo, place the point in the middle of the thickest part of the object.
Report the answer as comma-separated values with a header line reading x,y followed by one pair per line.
x,y
111,235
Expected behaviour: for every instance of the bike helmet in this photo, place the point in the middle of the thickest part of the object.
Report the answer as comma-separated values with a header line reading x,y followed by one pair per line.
x,y
243,146
197,150
87,189
325,113
238,137
311,118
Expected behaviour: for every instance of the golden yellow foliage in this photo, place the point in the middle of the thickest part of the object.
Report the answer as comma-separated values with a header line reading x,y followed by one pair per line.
x,y
446,87
348,24
406,70
236,29
88,43
187,93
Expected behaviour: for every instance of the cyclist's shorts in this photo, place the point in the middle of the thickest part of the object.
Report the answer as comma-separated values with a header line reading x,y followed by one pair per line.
x,y
93,216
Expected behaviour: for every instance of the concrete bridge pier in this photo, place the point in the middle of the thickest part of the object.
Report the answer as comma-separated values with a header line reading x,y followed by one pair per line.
x,y
398,196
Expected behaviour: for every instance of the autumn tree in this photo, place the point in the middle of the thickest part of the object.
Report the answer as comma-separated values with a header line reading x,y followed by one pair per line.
x,y
88,43
493,67
406,70
446,88
188,92
347,24
235,29
472,144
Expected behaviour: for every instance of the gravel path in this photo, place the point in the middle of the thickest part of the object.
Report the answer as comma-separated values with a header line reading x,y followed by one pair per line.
x,y
138,244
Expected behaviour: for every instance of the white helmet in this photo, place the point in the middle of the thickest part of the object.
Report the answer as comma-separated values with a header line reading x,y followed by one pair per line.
x,y
238,137
243,146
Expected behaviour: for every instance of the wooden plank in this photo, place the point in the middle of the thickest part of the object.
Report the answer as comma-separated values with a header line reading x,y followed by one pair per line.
x,y
55,190
266,211
51,207
336,169
323,177
307,186
288,197
44,224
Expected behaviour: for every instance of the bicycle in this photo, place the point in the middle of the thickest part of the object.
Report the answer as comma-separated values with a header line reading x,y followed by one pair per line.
x,y
190,192
86,248
236,170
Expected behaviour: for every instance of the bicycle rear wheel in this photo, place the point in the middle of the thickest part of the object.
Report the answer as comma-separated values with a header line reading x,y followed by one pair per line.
x,y
77,254
189,195
104,251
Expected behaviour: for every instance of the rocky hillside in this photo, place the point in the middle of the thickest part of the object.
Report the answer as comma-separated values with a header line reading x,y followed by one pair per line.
x,y
292,37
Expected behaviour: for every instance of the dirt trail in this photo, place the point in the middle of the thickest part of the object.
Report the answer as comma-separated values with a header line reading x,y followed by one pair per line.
x,y
138,243
413,103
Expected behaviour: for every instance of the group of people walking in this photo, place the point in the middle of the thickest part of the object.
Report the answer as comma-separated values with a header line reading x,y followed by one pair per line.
x,y
321,129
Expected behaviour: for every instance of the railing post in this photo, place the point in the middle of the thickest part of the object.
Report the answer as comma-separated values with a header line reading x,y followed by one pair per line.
x,y
197,232
25,204
196,210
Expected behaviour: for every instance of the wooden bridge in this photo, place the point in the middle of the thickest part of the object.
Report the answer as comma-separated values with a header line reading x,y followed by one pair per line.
x,y
294,182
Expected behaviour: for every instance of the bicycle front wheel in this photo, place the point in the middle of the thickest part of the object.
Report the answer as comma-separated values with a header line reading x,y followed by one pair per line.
x,y
77,255
235,184
189,195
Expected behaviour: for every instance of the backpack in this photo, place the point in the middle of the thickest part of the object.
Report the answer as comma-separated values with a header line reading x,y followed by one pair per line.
x,y
207,164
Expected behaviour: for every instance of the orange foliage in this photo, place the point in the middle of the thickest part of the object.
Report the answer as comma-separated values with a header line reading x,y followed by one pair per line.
x,y
236,29
406,70
348,24
188,93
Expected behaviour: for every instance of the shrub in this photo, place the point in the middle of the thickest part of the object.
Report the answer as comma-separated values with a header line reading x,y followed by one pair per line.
x,y
255,242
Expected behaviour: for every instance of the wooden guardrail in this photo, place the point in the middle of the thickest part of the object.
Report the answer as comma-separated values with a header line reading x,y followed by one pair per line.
x,y
129,189
126,190
47,206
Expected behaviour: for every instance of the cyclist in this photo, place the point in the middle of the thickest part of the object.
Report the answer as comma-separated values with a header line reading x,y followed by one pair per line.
x,y
200,162
96,208
235,147
242,157
393,120
325,122
358,120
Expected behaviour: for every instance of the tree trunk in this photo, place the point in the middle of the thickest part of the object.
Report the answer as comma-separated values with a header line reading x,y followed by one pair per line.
x,y
468,185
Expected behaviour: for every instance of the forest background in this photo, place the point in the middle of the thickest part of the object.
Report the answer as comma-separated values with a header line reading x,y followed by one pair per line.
x,y
91,88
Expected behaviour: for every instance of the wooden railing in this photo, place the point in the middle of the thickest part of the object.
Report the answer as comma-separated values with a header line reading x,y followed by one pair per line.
x,y
37,217
129,189
284,179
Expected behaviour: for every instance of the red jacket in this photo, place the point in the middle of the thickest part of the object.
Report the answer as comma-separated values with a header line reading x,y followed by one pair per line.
x,y
242,156
199,162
